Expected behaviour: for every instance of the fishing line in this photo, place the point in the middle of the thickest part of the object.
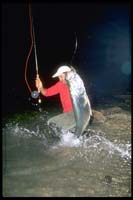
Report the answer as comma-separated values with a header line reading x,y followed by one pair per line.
x,y
35,93
75,49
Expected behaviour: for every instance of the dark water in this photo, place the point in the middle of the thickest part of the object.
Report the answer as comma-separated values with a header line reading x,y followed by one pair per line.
x,y
38,164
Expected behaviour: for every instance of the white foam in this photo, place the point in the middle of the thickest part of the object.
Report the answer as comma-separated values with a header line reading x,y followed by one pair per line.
x,y
101,143
68,139
20,131
93,143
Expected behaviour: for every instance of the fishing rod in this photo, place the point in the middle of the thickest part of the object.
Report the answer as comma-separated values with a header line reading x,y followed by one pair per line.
x,y
35,93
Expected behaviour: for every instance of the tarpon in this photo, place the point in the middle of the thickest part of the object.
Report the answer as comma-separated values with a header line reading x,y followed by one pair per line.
x,y
80,101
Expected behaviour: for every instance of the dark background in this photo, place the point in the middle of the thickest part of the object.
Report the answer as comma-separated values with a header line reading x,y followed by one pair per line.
x,y
102,58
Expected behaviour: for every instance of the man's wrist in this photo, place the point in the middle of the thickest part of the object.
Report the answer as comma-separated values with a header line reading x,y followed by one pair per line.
x,y
42,90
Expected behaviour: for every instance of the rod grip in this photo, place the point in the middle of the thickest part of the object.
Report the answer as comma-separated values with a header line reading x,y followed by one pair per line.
x,y
37,76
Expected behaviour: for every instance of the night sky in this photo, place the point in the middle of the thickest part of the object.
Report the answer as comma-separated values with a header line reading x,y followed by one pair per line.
x,y
103,54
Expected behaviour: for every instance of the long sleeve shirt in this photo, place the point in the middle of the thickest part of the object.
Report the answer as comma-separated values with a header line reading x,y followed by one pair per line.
x,y
63,90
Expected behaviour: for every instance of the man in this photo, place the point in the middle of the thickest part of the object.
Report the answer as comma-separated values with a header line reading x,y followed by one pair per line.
x,y
66,120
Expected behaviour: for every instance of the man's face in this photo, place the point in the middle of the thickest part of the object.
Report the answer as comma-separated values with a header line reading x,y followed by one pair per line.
x,y
62,77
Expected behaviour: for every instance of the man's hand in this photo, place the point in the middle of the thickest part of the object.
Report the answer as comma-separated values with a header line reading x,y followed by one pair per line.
x,y
38,83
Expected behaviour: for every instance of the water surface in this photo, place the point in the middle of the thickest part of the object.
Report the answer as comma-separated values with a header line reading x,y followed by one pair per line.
x,y
37,164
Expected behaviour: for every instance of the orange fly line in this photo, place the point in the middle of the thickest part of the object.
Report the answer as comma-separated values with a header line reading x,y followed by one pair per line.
x,y
31,47
34,94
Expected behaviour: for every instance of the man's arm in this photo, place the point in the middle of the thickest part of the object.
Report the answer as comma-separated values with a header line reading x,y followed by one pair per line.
x,y
39,85
53,90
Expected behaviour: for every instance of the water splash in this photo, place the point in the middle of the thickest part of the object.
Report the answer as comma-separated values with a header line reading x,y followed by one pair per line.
x,y
93,144
68,139
98,143
21,131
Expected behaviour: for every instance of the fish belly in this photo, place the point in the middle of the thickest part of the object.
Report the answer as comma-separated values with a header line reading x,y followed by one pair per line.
x,y
80,101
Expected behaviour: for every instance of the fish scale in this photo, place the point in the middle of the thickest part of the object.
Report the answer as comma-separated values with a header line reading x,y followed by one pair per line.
x,y
80,101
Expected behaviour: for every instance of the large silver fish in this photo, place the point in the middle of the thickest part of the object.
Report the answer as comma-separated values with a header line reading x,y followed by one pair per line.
x,y
80,101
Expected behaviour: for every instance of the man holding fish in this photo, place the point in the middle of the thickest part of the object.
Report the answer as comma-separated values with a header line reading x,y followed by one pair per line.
x,y
75,103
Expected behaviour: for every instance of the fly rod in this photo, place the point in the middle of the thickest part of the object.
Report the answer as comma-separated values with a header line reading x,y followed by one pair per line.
x,y
35,93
